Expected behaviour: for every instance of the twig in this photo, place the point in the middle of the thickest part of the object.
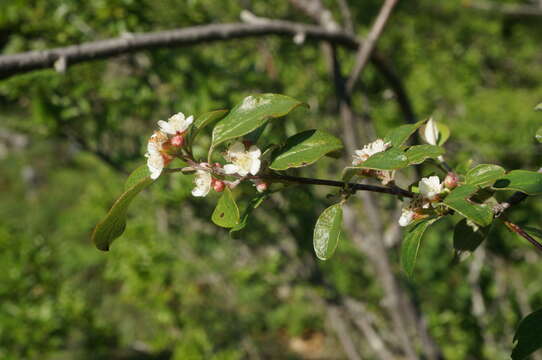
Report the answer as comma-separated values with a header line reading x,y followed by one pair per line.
x,y
395,190
365,50
516,229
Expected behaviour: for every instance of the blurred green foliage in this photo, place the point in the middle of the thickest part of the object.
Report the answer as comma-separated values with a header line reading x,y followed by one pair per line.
x,y
175,286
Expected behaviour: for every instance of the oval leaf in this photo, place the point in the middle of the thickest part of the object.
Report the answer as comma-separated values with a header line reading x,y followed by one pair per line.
x,y
411,244
391,159
253,204
304,149
251,113
205,120
466,238
484,175
327,231
400,134
528,336
114,223
419,153
226,213
458,200
528,182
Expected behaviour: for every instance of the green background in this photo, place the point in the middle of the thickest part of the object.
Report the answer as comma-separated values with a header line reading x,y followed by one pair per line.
x,y
177,287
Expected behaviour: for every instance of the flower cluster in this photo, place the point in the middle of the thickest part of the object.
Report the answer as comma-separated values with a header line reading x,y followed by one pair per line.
x,y
166,143
431,190
163,142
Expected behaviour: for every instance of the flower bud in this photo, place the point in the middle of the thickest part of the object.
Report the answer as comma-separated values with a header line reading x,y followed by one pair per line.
x,y
177,140
261,187
451,180
218,185
217,165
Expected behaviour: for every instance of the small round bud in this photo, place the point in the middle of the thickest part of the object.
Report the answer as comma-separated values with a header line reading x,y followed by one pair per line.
x,y
218,185
451,180
177,141
261,187
217,165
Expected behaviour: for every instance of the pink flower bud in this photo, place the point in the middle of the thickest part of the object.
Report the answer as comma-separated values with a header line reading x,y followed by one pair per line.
x,y
261,187
177,140
218,185
451,180
217,165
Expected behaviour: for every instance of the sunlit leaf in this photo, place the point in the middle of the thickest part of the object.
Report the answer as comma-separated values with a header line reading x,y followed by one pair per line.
x,y
251,113
444,134
399,135
327,231
114,223
304,149
528,182
528,336
226,213
458,200
391,159
410,246
419,153
205,120
484,175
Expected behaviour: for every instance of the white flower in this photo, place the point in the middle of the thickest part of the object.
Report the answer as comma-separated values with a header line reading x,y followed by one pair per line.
x,y
203,182
369,150
430,132
155,159
243,161
430,187
176,124
407,214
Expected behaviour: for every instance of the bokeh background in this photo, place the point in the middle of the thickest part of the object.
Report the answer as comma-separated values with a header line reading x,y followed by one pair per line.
x,y
177,287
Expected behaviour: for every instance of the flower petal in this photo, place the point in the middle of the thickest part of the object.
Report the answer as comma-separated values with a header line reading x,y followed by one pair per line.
x,y
254,152
230,169
255,166
236,149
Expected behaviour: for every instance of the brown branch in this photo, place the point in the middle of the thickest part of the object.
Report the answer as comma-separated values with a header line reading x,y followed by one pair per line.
x,y
516,229
365,50
393,190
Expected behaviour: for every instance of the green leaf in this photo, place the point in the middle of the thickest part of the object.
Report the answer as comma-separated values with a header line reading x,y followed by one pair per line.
x,y
327,231
528,182
419,153
226,213
205,120
411,244
400,135
391,159
140,173
251,113
468,239
538,135
458,200
528,336
444,134
484,175
114,223
304,149
253,204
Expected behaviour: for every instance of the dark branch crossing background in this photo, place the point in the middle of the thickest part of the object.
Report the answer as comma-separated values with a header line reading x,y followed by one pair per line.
x,y
289,99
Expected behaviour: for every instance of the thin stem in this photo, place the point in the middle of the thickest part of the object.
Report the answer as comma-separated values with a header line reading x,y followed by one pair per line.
x,y
393,190
516,229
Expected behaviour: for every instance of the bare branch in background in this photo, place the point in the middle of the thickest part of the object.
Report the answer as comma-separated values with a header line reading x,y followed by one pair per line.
x,y
347,16
343,333
367,47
